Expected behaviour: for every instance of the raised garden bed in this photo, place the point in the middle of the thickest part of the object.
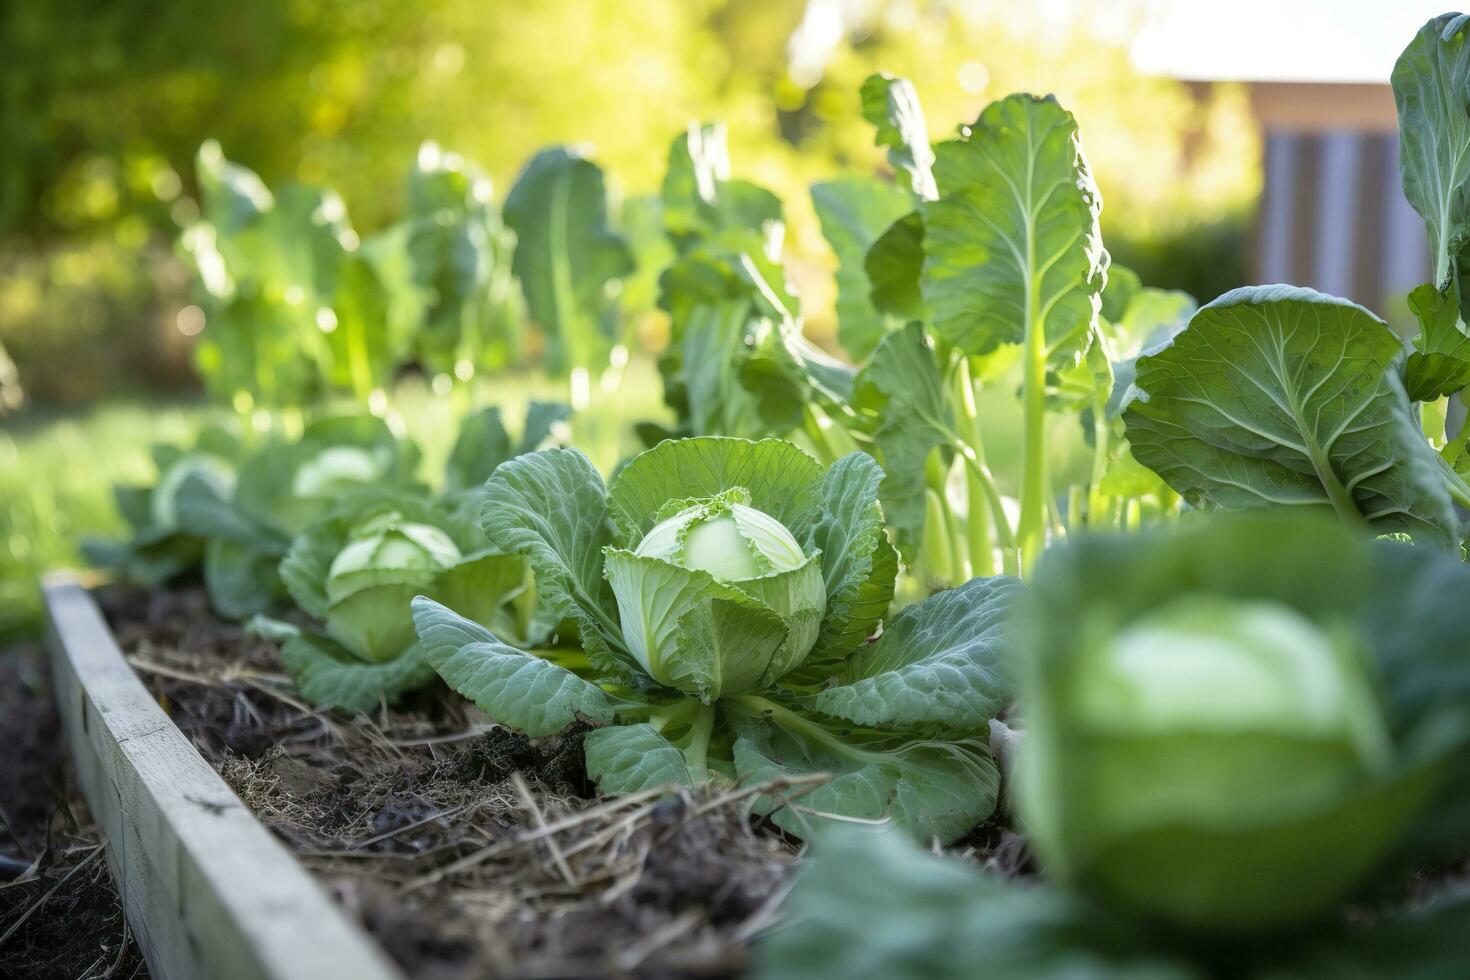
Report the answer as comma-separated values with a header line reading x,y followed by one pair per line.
x,y
461,848
207,891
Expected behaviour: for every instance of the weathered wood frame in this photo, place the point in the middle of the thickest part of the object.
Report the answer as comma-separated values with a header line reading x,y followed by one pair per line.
x,y
208,892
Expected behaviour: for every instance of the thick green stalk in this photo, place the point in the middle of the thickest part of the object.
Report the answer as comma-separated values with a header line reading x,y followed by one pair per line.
x,y
785,718
821,445
979,539
1102,435
1031,529
1001,522
696,754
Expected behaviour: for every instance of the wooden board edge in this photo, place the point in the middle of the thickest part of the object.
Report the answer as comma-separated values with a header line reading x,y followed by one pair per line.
x,y
208,891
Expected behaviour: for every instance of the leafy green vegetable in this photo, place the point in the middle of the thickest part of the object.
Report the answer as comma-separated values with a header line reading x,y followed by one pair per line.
x,y
700,199
567,257
357,572
1211,739
1440,362
854,213
723,590
872,905
1013,255
1281,396
459,257
892,106
1430,82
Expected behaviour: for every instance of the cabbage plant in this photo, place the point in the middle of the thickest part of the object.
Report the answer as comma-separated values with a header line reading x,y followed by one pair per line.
x,y
287,485
724,593
1232,727
356,572
283,486
1241,739
162,543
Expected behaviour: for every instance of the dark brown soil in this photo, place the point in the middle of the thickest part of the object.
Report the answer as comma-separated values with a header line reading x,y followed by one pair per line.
x,y
467,850
59,911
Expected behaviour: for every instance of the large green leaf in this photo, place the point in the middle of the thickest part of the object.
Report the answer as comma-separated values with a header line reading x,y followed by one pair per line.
x,y
717,295
365,342
902,397
872,906
895,266
551,507
943,664
858,563
1012,248
892,105
240,579
1281,396
1431,88
642,224
566,255
483,442
854,212
513,687
631,758
459,259
783,481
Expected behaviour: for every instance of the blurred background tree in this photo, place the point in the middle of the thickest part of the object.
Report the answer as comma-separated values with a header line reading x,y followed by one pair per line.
x,y
103,106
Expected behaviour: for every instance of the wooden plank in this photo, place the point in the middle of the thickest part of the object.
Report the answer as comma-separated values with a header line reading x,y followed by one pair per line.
x,y
208,891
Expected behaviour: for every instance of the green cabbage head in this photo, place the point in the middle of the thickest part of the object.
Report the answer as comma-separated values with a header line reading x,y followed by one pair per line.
x,y
338,468
1209,737
215,472
738,561
386,561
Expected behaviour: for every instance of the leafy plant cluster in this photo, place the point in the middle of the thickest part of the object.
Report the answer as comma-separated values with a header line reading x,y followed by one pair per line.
x,y
1228,724
1229,737
297,306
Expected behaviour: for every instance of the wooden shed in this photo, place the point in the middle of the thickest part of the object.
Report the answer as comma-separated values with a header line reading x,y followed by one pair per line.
x,y
1332,214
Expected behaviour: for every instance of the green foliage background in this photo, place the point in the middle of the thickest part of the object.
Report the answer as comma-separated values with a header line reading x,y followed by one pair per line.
x,y
102,107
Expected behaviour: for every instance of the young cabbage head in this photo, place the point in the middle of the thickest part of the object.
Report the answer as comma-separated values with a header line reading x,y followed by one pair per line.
x,y
386,561
163,503
718,597
1217,757
338,468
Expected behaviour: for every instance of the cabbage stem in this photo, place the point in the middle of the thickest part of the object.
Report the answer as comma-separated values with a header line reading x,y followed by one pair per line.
x,y
979,537
792,722
696,753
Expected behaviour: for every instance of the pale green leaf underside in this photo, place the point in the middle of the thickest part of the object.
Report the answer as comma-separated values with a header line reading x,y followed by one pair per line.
x,y
1431,89
930,790
1281,396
